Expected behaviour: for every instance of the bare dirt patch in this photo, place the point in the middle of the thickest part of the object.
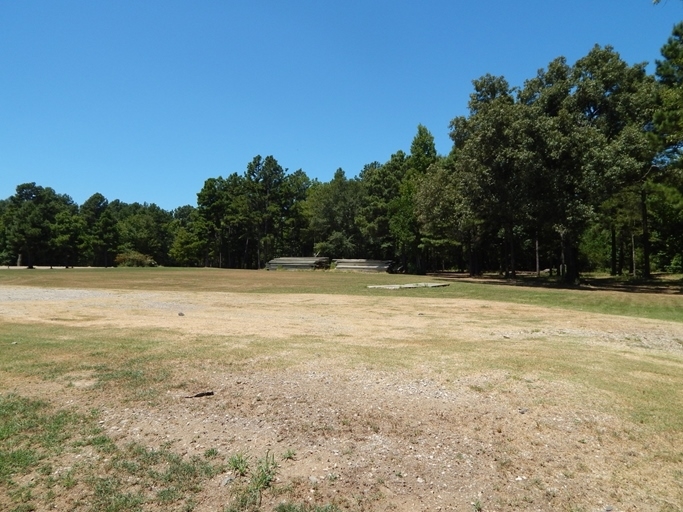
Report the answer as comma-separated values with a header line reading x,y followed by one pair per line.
x,y
389,403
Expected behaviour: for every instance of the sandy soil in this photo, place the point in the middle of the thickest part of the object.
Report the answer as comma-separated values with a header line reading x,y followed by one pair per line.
x,y
369,437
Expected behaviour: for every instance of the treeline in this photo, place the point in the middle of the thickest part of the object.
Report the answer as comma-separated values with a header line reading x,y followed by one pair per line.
x,y
578,169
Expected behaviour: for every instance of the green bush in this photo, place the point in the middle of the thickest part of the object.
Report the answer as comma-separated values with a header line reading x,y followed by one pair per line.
x,y
134,259
676,265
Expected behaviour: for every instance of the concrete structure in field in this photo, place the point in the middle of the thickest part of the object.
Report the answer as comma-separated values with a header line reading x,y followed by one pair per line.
x,y
364,265
311,263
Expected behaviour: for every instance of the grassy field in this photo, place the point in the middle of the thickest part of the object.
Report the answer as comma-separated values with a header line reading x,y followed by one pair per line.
x,y
602,296
69,369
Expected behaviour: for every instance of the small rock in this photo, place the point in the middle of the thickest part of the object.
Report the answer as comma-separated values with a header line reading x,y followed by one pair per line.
x,y
523,410
181,314
14,343
420,480
313,480
227,480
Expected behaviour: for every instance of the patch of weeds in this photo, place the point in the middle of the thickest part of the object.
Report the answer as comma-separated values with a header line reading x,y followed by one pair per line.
x,y
144,455
110,497
102,444
24,494
17,461
247,497
177,477
168,495
189,505
68,479
211,453
476,506
239,463
265,471
187,474
24,507
30,432
50,496
140,381
289,455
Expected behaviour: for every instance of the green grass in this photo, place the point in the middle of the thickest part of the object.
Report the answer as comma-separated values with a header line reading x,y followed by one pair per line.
x,y
247,494
33,434
30,433
239,463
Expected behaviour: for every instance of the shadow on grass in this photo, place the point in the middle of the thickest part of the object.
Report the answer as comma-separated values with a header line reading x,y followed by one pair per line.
x,y
658,283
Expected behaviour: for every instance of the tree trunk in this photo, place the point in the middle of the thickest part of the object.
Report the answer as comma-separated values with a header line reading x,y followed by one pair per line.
x,y
561,269
633,254
29,260
613,232
571,274
538,265
646,235
571,261
511,241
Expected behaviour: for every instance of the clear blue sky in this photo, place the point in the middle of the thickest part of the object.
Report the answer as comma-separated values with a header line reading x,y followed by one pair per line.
x,y
143,100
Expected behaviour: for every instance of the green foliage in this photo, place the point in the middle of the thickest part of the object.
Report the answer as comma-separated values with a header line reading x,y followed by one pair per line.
x,y
247,495
239,463
134,259
289,455
332,208
248,219
264,473
31,433
668,119
32,218
109,496
537,164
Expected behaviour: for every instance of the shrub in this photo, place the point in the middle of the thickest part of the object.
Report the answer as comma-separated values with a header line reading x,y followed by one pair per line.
x,y
676,265
134,259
